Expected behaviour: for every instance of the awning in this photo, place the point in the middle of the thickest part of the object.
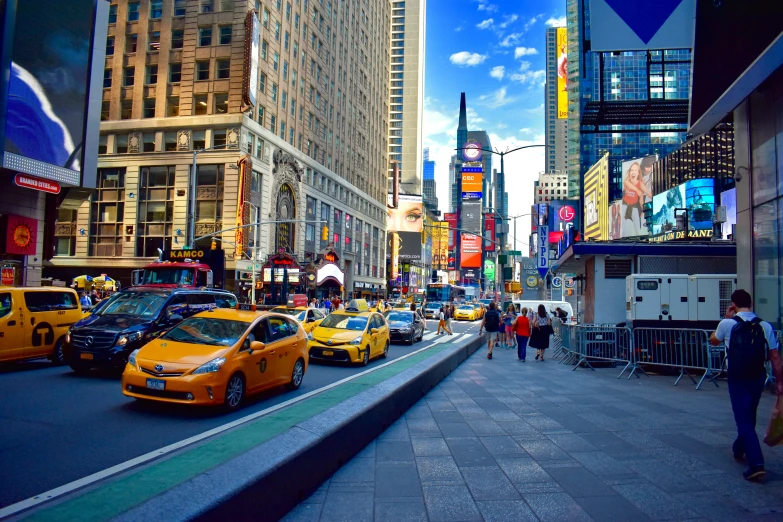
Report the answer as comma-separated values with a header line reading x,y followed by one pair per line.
x,y
329,272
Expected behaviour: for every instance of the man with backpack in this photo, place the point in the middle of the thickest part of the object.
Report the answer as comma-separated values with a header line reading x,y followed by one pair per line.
x,y
491,324
748,340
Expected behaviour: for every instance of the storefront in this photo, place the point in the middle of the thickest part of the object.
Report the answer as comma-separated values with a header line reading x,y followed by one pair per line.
x,y
329,277
282,275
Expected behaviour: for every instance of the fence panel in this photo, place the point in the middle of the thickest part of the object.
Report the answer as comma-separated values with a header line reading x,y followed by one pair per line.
x,y
604,343
686,349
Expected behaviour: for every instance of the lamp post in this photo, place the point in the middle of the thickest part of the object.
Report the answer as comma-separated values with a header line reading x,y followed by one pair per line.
x,y
503,177
192,192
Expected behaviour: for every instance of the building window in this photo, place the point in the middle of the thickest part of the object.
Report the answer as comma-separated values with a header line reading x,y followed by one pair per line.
x,y
106,78
133,11
156,210
264,47
221,103
109,45
175,72
207,6
148,142
202,70
275,60
154,45
65,232
102,144
131,40
273,124
205,36
156,9
121,143
223,69
152,75
219,137
169,141
256,181
149,108
199,104
262,82
107,211
177,38
179,7
209,195
259,148
273,95
225,34
226,5
261,116
128,76
113,14
199,139
105,106
172,106
277,31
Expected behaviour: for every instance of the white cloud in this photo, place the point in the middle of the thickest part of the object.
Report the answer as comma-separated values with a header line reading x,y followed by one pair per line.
x,y
507,20
465,58
524,51
498,72
526,130
556,22
473,118
530,23
501,126
485,6
511,40
496,99
458,29
528,76
536,110
485,24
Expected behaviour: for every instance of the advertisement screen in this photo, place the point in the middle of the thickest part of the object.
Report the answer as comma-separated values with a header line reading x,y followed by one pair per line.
x,y
562,73
700,202
663,219
471,185
637,180
616,219
595,203
489,270
471,216
408,216
451,220
49,80
489,232
253,33
452,260
729,200
471,251
560,216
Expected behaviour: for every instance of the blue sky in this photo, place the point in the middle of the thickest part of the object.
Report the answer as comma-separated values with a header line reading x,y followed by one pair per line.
x,y
493,50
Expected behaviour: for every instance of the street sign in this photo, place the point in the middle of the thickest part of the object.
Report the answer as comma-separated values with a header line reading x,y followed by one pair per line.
x,y
569,282
514,252
248,266
557,282
543,250
502,259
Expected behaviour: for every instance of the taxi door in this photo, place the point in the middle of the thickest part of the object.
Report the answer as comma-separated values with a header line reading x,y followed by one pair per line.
x,y
46,313
11,326
261,367
377,338
313,319
282,332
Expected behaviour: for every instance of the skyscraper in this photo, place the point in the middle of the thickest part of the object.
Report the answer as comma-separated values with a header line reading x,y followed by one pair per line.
x,y
453,184
429,189
406,95
555,128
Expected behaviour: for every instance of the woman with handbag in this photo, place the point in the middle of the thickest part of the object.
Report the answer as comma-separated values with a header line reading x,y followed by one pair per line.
x,y
541,329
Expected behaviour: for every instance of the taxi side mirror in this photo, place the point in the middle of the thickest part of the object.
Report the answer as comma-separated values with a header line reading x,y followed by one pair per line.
x,y
374,331
256,345
310,320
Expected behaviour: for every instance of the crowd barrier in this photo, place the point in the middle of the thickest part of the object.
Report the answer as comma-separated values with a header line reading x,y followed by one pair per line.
x,y
686,350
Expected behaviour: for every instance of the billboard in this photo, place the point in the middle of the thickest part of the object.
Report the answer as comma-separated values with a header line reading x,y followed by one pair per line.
x,y
630,26
471,152
452,261
451,222
560,215
562,73
616,219
53,83
405,222
664,205
596,196
489,232
637,180
440,247
696,197
472,184
489,270
700,202
250,72
471,216
470,251
728,199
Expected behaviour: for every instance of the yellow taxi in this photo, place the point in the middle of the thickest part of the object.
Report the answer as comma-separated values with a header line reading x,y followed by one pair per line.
x,y
466,312
309,318
480,310
353,335
218,357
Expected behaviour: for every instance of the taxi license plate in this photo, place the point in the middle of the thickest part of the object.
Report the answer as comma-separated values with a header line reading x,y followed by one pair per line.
x,y
156,384
88,356
327,353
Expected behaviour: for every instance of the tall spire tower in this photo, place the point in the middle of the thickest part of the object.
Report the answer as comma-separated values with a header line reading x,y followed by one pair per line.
x,y
462,128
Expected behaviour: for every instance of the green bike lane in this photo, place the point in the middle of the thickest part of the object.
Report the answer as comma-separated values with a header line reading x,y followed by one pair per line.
x,y
121,493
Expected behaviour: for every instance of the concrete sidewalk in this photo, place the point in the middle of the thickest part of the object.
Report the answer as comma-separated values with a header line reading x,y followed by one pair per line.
x,y
510,441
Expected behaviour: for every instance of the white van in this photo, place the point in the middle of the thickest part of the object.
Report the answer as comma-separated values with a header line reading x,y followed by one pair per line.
x,y
550,306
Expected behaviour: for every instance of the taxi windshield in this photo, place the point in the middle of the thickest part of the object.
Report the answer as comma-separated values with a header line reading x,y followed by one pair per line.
x,y
299,315
466,307
207,330
137,304
344,322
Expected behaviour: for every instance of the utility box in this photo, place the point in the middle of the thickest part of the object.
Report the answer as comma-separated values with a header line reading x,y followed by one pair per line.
x,y
679,300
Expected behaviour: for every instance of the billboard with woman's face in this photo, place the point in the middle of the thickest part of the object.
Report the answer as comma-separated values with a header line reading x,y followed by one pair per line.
x,y
637,180
405,223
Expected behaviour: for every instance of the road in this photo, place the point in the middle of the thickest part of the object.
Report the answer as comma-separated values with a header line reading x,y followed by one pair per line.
x,y
58,427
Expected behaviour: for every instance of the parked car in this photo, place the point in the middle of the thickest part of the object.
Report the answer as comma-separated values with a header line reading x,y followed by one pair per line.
x,y
405,326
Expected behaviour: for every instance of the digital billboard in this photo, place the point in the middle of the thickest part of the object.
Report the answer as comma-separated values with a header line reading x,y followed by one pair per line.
x,y
471,216
728,199
252,43
637,180
693,200
489,232
405,222
595,202
54,82
700,202
616,219
562,73
472,184
451,221
441,245
470,251
560,215
664,205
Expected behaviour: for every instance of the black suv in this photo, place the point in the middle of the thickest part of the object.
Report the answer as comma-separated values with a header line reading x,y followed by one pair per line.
x,y
130,319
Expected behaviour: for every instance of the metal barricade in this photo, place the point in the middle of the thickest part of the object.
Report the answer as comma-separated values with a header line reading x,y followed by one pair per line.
x,y
607,343
567,335
685,349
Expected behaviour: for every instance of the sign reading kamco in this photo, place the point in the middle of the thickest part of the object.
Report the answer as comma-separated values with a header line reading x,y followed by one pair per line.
x,y
179,255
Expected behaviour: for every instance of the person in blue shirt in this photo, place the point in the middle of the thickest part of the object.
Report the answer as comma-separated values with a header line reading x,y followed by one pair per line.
x,y
85,301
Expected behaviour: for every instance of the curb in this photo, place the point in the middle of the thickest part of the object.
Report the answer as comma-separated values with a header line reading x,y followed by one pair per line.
x,y
268,481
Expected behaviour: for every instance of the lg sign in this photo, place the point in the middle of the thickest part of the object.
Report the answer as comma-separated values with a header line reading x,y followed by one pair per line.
x,y
566,213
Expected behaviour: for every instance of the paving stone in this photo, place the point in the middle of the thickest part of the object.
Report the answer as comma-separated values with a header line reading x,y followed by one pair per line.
x,y
556,507
447,416
423,427
654,502
348,504
397,431
543,449
489,483
399,511
470,453
450,503
569,441
396,479
426,447
579,482
455,429
394,450
538,487
612,509
485,427
356,470
505,511
542,422
600,463
440,405
523,469
502,445
319,495
714,506
518,427
667,477
368,451
440,470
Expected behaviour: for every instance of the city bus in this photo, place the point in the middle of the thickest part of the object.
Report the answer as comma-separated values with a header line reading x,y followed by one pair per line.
x,y
445,293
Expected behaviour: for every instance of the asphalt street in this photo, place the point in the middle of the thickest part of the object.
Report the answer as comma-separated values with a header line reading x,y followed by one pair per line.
x,y
59,427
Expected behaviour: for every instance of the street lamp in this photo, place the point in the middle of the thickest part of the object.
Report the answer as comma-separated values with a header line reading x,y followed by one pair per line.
x,y
192,193
503,176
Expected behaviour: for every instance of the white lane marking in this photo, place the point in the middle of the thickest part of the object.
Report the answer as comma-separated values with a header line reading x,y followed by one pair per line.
x,y
113,470
429,336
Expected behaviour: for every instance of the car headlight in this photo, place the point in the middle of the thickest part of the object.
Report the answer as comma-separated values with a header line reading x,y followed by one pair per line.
x,y
356,341
211,367
132,358
128,338
405,330
68,336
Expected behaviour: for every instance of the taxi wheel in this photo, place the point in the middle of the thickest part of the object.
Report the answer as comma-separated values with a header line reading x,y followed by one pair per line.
x,y
385,353
366,357
58,357
297,375
235,391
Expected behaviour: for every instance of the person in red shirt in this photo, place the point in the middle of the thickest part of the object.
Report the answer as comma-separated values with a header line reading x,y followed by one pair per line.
x,y
521,328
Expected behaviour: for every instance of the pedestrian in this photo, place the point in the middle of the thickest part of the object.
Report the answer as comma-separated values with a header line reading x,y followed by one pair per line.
x,y
312,303
491,323
521,328
747,339
84,300
541,329
419,313
561,314
449,316
327,305
441,319
508,321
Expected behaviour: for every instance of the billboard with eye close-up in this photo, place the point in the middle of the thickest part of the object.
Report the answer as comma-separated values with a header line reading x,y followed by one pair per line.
x,y
405,222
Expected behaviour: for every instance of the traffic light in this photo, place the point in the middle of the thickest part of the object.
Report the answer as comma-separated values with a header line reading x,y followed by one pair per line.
x,y
325,234
214,245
